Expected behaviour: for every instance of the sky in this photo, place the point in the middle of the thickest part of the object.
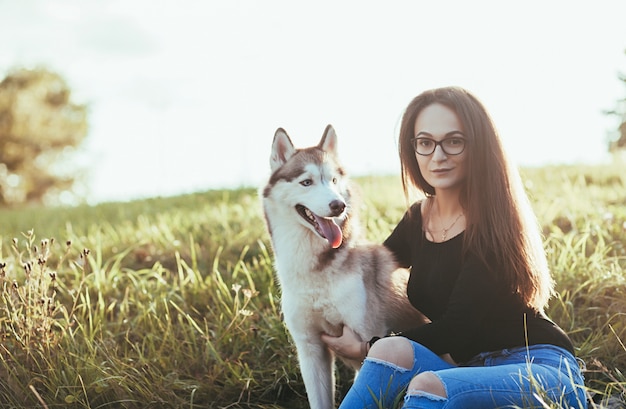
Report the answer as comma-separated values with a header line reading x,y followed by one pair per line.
x,y
185,96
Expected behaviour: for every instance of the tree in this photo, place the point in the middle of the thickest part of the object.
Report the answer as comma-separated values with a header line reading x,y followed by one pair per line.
x,y
619,143
39,128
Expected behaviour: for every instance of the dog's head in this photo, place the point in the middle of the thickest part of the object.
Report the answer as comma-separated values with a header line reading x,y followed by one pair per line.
x,y
310,185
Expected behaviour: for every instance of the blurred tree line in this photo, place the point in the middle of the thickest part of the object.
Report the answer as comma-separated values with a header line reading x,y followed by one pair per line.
x,y
619,142
40,129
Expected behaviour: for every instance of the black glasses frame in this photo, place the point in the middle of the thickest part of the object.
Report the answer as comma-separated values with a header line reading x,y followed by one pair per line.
x,y
414,142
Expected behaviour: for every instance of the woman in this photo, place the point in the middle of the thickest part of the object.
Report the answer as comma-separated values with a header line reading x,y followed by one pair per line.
x,y
478,271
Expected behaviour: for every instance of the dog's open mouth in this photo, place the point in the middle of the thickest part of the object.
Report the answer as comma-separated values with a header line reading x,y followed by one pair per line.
x,y
324,226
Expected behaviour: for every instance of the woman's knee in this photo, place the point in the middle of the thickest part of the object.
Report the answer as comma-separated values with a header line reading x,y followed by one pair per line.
x,y
428,382
395,350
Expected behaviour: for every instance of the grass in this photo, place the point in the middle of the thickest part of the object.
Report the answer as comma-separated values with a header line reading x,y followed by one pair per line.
x,y
171,302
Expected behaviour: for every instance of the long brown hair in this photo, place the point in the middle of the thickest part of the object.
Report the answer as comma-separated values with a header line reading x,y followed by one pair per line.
x,y
500,220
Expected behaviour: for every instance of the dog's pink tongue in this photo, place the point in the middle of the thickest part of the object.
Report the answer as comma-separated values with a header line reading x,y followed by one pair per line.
x,y
331,231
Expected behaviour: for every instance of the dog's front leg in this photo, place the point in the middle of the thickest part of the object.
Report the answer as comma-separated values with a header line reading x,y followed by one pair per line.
x,y
316,366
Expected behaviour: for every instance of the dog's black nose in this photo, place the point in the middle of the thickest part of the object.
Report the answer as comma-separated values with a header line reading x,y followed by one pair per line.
x,y
337,207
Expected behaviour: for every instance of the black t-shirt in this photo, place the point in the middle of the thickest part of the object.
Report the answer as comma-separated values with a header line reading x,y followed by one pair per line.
x,y
470,309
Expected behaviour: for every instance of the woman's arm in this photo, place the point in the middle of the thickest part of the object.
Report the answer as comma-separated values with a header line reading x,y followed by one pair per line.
x,y
405,235
348,344
471,303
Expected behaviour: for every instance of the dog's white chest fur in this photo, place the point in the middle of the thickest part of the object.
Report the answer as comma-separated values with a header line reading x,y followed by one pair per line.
x,y
316,302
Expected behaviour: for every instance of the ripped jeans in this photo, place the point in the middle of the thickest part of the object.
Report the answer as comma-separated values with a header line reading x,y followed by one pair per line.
x,y
525,377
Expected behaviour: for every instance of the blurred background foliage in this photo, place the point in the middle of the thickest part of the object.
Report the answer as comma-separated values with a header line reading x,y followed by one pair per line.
x,y
40,130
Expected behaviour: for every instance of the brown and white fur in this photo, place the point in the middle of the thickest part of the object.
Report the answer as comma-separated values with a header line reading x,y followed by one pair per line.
x,y
328,277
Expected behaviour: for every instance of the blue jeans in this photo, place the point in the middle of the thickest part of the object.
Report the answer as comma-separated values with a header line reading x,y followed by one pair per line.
x,y
512,378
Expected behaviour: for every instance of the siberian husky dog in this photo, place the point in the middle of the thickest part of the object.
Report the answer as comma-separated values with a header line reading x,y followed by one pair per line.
x,y
328,277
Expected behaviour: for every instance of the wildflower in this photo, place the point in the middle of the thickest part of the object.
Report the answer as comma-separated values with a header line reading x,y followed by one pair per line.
x,y
245,312
248,293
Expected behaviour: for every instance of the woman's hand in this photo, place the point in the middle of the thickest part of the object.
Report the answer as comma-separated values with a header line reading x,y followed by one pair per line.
x,y
348,344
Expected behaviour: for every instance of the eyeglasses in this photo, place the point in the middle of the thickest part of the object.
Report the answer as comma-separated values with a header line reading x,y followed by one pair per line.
x,y
426,146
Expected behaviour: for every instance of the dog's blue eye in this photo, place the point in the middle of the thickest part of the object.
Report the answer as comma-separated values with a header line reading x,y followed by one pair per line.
x,y
306,182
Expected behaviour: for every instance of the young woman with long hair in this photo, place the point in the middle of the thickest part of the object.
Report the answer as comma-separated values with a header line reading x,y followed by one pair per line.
x,y
478,272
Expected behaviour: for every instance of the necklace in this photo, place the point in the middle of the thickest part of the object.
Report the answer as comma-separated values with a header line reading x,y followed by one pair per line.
x,y
444,233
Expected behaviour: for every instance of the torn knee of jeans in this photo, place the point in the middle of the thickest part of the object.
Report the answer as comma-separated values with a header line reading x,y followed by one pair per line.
x,y
387,364
421,394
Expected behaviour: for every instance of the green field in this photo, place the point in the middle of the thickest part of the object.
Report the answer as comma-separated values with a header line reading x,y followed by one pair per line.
x,y
171,302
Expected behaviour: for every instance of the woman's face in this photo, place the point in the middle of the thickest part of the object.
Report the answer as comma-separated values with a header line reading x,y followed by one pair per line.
x,y
440,146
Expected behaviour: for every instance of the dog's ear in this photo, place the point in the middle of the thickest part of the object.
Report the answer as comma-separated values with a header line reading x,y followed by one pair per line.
x,y
329,141
282,149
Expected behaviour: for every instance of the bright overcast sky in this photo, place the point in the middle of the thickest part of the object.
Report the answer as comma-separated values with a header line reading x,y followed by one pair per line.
x,y
186,95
